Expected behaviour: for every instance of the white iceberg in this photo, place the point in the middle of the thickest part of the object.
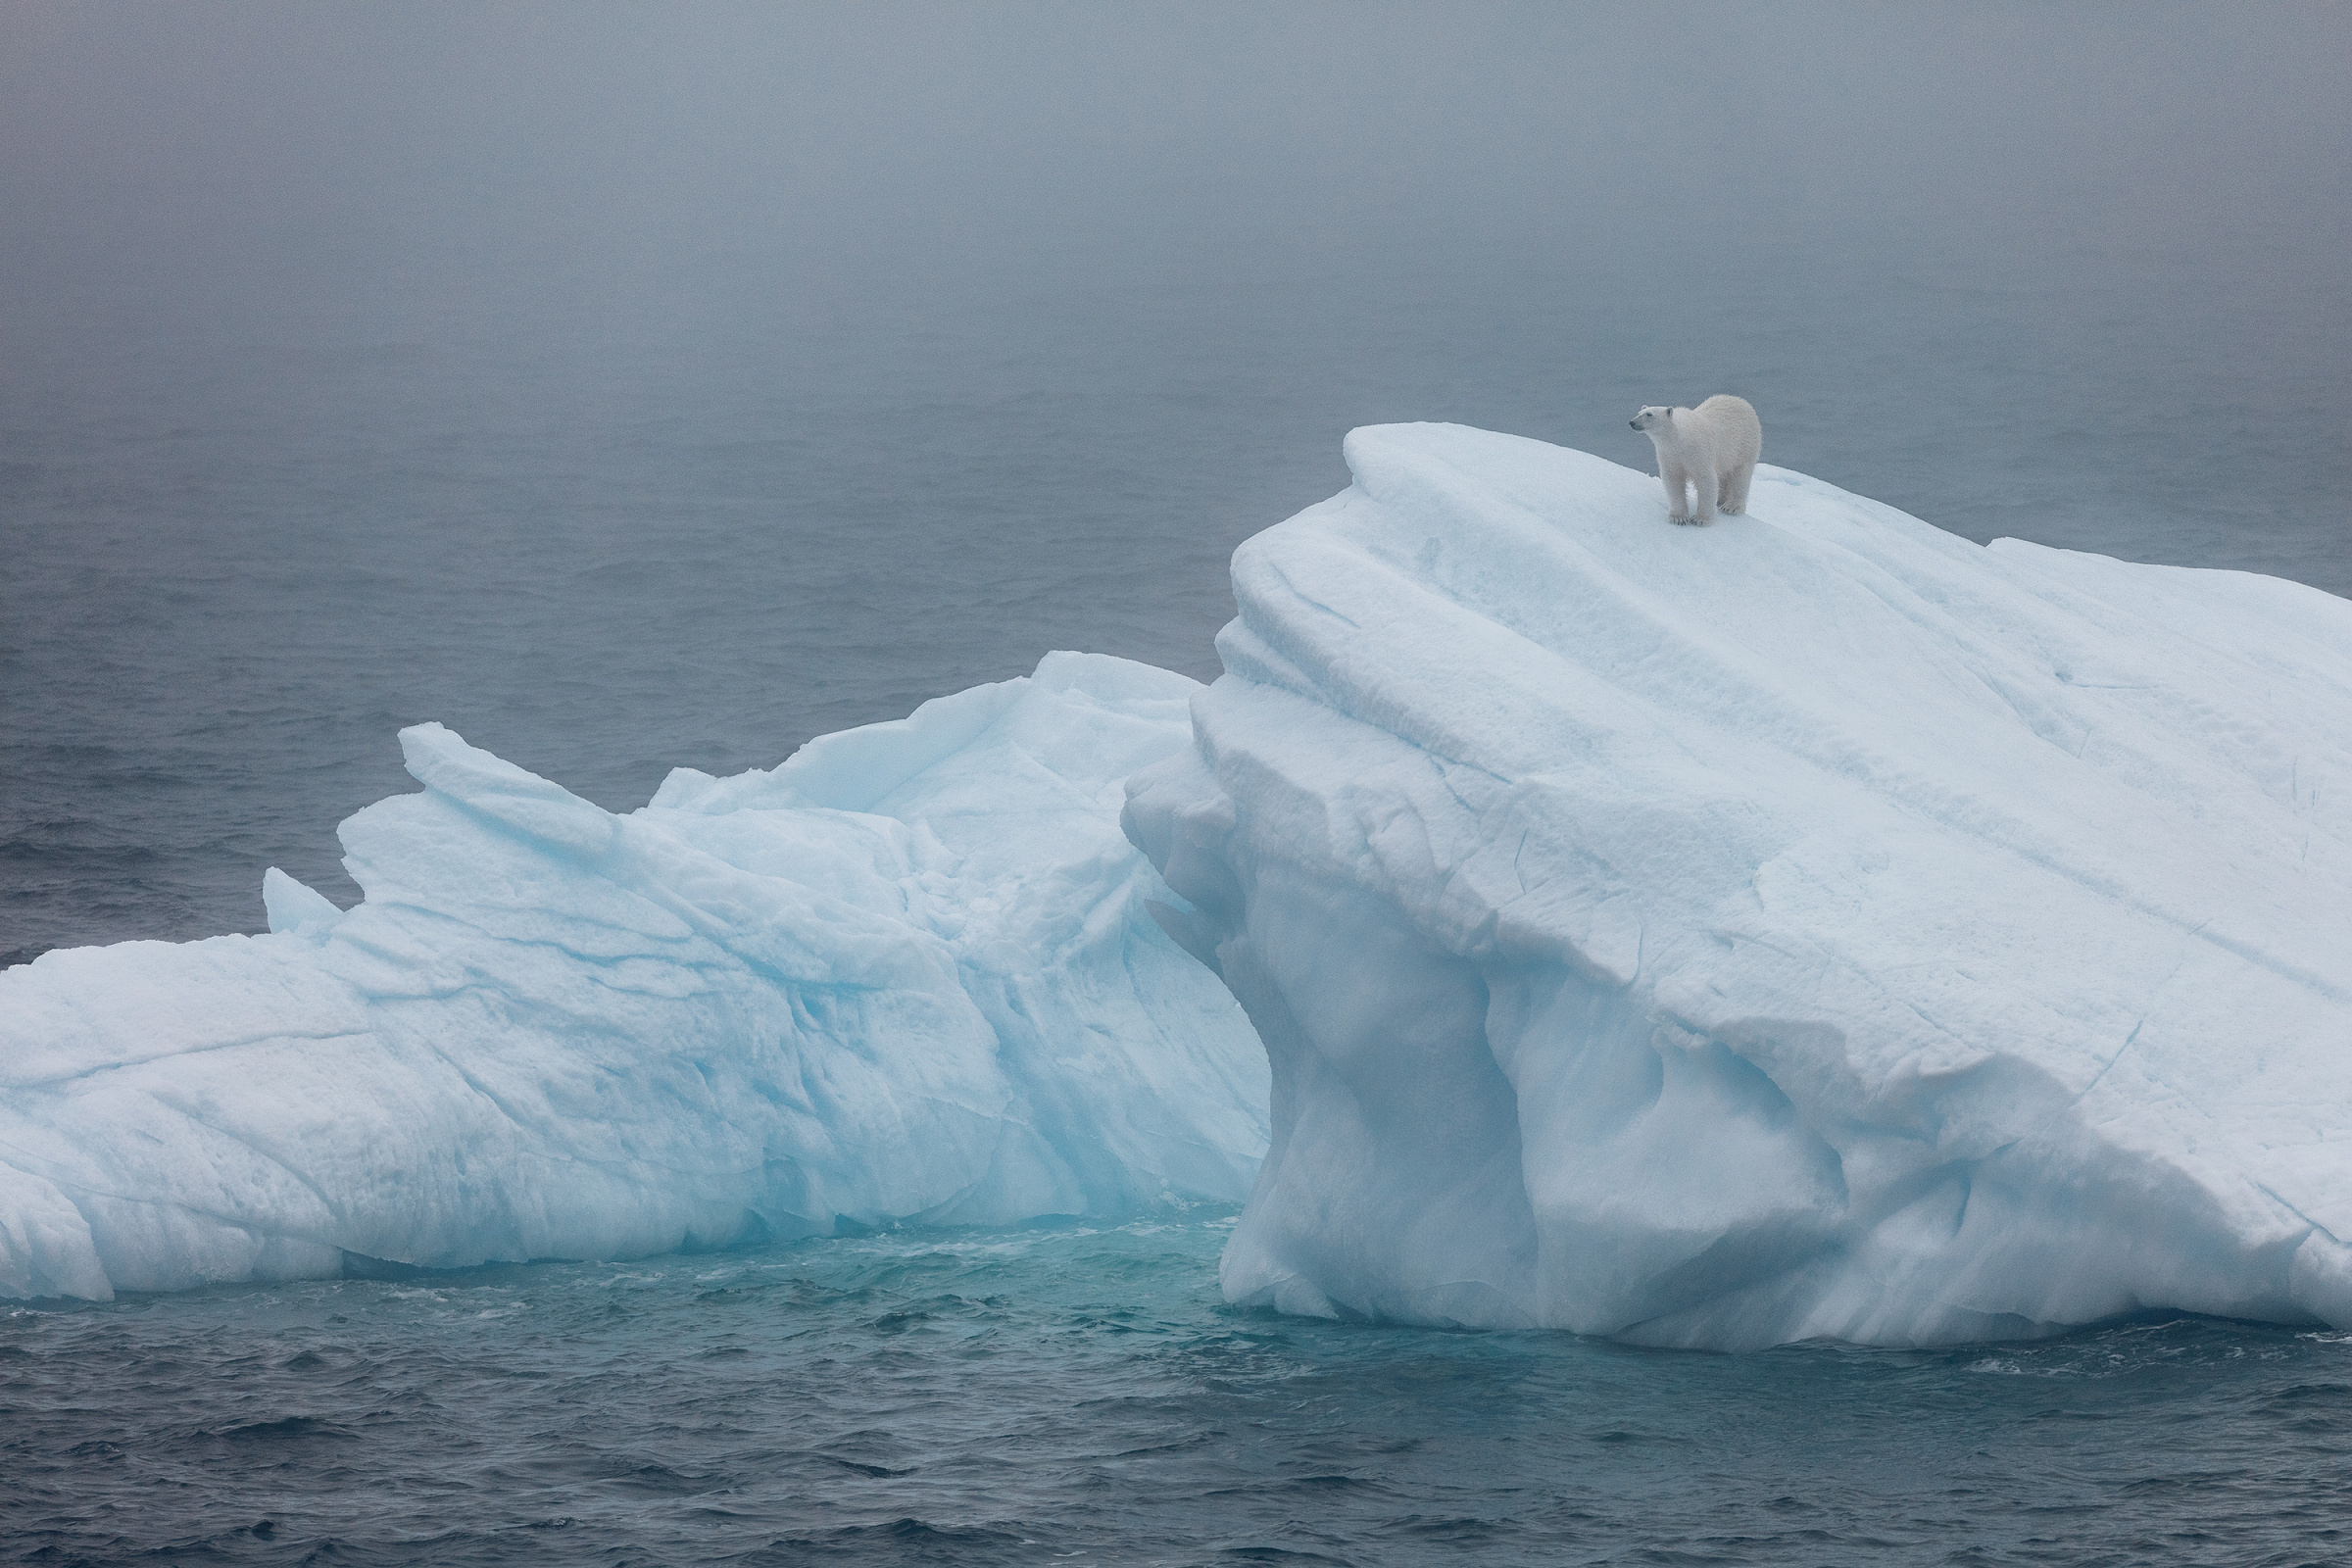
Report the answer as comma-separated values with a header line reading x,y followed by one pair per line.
x,y
1812,925
908,975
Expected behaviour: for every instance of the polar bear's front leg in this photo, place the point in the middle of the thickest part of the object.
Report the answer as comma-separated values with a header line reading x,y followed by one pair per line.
x,y
1676,481
1704,486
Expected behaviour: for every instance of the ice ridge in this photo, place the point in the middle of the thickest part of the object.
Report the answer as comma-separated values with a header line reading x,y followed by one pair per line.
x,y
908,975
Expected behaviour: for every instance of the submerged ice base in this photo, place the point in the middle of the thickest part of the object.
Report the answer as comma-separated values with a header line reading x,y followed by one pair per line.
x,y
1811,926
908,975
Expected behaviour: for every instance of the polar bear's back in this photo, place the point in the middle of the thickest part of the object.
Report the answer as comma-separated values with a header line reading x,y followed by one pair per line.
x,y
1738,434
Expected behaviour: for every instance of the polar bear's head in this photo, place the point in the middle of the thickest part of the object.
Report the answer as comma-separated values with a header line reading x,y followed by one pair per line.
x,y
1654,418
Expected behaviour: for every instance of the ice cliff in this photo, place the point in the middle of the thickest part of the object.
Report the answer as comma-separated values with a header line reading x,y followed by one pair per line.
x,y
1811,926
910,974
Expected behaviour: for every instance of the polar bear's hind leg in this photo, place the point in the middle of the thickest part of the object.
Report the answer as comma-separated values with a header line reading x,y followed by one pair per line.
x,y
1733,501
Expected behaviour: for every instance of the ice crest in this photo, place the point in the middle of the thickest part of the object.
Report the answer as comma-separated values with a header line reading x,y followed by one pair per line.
x,y
293,906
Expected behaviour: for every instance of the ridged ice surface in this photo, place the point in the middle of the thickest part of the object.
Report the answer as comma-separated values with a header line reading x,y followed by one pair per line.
x,y
910,974
1812,925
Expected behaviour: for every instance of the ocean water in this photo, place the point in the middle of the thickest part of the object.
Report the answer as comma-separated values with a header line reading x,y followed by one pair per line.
x,y
237,564
591,389
1080,1394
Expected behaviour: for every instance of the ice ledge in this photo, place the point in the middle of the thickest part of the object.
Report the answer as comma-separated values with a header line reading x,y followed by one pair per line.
x,y
1811,926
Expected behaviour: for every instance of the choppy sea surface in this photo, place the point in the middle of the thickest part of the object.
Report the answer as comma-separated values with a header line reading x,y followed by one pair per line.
x,y
1082,1394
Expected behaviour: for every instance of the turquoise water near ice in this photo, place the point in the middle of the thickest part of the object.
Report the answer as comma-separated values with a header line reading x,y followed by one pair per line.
x,y
1081,1394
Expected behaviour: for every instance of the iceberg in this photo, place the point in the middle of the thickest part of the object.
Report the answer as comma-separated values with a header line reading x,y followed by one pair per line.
x,y
1815,925
909,975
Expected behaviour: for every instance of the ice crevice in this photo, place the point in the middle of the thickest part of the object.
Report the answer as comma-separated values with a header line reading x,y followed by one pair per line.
x,y
1769,982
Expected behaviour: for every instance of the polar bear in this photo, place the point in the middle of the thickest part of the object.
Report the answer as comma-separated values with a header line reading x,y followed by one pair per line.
x,y
1711,449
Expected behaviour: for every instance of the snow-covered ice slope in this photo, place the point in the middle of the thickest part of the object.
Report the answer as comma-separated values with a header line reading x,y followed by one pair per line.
x,y
907,974
1811,926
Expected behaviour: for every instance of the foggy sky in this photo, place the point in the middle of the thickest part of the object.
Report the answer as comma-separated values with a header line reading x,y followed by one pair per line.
x,y
222,168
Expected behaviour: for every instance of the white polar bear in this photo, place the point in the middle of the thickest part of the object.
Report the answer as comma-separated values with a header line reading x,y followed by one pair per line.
x,y
1712,448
